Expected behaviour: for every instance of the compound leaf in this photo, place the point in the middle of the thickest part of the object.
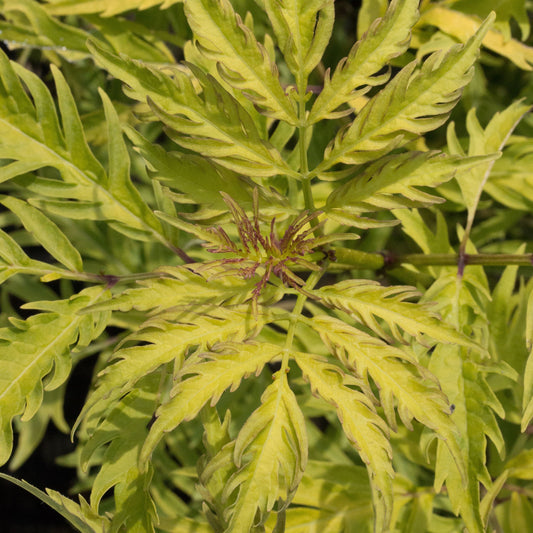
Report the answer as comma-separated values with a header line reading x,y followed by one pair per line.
x,y
387,37
243,62
413,103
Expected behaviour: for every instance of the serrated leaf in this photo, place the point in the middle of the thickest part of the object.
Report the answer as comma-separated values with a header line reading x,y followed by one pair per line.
x,y
40,348
192,175
243,61
363,427
178,286
30,132
193,118
396,373
124,431
209,376
30,433
271,454
465,385
80,516
413,103
167,341
527,399
331,497
482,142
366,301
386,39
46,232
392,182
303,30
29,25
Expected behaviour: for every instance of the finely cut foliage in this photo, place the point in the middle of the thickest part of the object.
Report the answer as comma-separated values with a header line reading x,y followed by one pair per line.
x,y
221,203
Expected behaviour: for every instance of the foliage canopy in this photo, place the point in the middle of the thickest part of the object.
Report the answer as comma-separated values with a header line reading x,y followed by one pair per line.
x,y
214,236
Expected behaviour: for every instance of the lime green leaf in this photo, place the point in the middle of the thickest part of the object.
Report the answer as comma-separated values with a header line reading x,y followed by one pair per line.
x,y
331,497
271,454
40,348
510,182
79,515
460,25
31,432
396,373
14,261
303,30
195,176
29,25
465,385
243,61
30,132
369,11
107,8
53,240
177,286
527,400
363,427
385,39
234,139
165,341
482,142
210,374
413,103
366,301
505,10
124,431
392,182
516,513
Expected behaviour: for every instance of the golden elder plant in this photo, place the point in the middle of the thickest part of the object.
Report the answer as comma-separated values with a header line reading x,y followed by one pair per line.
x,y
214,238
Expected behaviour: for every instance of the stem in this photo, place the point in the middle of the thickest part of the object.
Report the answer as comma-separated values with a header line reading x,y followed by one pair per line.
x,y
295,317
469,259
349,259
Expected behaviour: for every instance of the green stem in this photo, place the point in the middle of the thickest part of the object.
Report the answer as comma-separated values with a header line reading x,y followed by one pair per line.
x,y
469,259
295,318
349,259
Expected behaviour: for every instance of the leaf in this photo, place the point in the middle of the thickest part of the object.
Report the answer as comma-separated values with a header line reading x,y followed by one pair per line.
x,y
492,139
367,300
271,454
234,139
53,240
40,348
510,181
124,431
30,132
386,39
177,286
410,105
80,516
527,399
461,25
14,261
331,497
107,8
303,30
197,177
30,433
505,10
29,25
396,373
243,62
392,182
164,341
363,427
210,375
